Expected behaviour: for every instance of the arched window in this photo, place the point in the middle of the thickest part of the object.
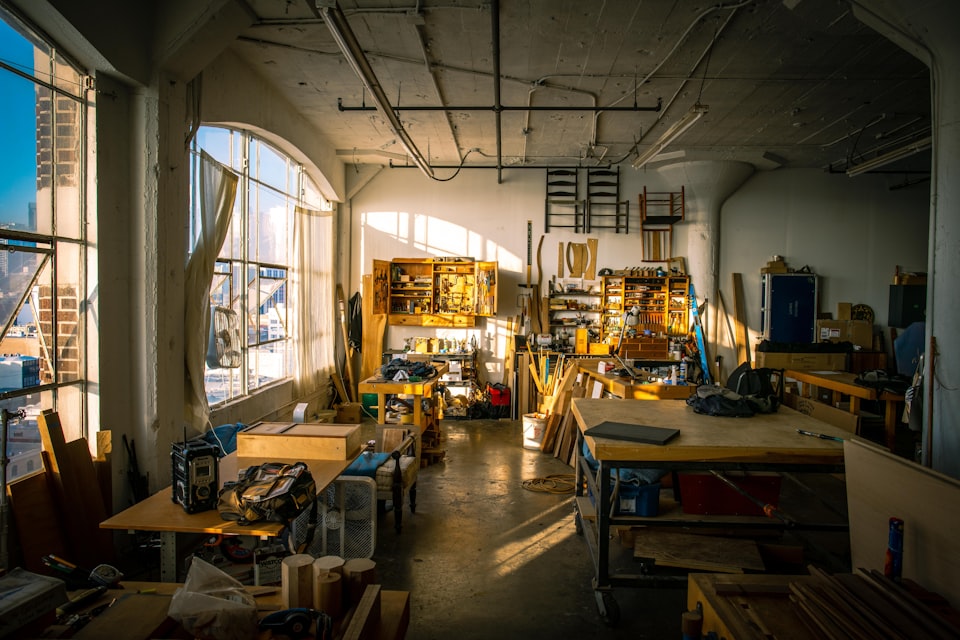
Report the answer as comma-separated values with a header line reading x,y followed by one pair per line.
x,y
253,319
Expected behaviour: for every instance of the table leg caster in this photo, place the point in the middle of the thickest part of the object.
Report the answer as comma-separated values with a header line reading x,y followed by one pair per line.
x,y
607,607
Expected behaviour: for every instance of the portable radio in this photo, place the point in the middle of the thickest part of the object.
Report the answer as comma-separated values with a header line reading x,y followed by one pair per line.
x,y
195,475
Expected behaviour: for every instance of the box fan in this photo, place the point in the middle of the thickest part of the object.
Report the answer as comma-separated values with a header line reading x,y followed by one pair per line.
x,y
346,520
223,347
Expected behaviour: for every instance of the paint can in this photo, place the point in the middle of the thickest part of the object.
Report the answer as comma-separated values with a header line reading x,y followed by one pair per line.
x,y
893,563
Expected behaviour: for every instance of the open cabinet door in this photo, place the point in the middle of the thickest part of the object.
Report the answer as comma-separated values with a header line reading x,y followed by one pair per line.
x,y
381,286
486,304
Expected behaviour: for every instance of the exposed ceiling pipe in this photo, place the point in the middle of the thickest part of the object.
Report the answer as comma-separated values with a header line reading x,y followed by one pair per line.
x,y
433,80
541,84
497,107
505,107
340,29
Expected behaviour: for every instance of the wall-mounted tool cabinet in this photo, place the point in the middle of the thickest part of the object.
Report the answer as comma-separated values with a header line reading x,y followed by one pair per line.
x,y
440,292
661,303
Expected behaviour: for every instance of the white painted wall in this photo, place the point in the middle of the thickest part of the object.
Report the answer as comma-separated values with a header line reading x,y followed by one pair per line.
x,y
851,232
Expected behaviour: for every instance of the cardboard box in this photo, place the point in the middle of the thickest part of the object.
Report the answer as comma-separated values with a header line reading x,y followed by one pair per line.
x,y
831,415
844,309
28,598
600,349
802,361
349,413
283,441
859,332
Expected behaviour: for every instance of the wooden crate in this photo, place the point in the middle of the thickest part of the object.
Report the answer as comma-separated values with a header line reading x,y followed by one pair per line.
x,y
308,441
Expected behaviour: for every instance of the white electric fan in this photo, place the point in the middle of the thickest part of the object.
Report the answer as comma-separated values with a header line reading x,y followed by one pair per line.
x,y
346,520
223,348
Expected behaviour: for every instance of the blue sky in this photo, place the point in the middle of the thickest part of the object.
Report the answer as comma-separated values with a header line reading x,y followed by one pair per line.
x,y
17,129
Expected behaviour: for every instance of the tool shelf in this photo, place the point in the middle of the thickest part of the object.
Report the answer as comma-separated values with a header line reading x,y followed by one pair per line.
x,y
662,305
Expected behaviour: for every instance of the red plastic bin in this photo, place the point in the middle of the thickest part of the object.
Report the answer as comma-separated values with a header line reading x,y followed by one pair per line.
x,y
705,494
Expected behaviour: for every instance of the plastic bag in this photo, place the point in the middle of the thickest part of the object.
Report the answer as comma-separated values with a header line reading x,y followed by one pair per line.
x,y
213,606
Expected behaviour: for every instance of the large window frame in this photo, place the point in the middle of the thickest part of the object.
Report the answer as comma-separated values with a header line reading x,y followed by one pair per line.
x,y
253,273
45,282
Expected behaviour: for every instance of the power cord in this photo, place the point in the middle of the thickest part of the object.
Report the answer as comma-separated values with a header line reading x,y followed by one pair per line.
x,y
559,483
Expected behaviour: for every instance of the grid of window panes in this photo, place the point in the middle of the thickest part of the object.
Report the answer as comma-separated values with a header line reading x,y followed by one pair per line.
x,y
44,304
252,273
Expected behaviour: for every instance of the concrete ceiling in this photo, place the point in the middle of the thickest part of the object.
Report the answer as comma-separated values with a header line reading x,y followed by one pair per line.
x,y
794,83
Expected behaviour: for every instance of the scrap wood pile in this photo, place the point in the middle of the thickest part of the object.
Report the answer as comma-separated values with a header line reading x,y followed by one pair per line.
x,y
866,605
59,510
558,389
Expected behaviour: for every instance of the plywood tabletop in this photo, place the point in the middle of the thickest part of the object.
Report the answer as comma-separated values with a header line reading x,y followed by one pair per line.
x,y
376,384
160,513
763,438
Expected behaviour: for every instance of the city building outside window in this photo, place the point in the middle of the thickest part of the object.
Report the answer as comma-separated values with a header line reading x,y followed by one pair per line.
x,y
44,282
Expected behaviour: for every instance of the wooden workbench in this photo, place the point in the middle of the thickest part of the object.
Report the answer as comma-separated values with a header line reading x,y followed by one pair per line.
x,y
139,613
159,513
842,383
764,442
626,389
417,390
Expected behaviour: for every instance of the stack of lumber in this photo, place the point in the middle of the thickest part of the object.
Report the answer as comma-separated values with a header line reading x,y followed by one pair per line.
x,y
866,605
59,510
560,435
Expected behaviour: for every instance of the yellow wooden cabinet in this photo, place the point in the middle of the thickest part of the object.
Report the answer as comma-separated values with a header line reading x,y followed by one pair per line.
x,y
439,292
660,304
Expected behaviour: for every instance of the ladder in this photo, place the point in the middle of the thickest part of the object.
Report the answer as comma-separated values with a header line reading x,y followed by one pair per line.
x,y
698,332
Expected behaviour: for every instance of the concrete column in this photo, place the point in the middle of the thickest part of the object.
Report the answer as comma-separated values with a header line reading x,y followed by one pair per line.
x,y
927,28
707,185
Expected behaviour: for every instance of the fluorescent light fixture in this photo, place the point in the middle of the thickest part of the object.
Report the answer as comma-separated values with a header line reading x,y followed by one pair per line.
x,y
675,131
884,159
340,29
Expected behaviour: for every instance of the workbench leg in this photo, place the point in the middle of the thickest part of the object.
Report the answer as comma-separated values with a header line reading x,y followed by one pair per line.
x,y
855,410
168,556
890,423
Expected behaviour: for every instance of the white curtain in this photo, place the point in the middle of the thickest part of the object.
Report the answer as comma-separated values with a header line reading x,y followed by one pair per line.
x,y
218,190
314,299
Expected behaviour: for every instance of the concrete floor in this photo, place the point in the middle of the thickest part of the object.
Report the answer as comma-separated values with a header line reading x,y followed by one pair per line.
x,y
485,558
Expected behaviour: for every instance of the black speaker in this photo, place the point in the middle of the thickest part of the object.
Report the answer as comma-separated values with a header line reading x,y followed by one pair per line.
x,y
908,304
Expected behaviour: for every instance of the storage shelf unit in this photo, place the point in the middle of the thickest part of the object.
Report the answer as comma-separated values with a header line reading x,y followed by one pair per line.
x,y
663,303
574,309
441,292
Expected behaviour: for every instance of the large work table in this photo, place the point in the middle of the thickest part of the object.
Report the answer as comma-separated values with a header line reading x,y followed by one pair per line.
x,y
159,513
764,442
842,383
